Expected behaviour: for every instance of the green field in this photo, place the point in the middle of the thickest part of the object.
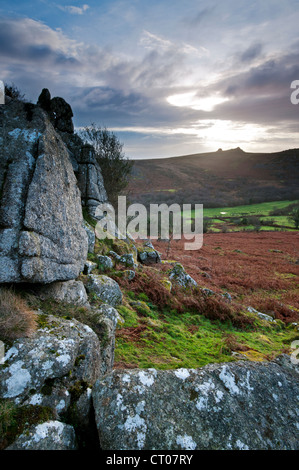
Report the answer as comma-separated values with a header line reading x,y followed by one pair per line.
x,y
250,217
254,209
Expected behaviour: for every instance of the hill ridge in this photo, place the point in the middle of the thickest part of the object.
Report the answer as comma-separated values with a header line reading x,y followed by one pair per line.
x,y
224,177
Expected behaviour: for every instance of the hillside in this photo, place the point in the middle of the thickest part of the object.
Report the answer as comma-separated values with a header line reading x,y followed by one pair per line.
x,y
217,179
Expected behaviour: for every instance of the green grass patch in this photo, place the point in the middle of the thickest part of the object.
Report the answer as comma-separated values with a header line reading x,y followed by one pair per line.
x,y
169,340
269,216
252,209
15,420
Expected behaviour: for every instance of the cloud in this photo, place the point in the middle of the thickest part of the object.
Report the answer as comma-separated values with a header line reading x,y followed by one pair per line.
x,y
99,83
259,94
24,40
197,19
251,53
74,10
29,45
129,87
270,78
152,41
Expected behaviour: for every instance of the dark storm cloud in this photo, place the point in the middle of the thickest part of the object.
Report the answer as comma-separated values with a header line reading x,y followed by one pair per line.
x,y
133,91
251,53
29,41
258,109
119,108
103,99
261,94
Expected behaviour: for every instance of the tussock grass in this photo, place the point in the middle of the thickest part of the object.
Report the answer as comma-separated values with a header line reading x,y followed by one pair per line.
x,y
17,319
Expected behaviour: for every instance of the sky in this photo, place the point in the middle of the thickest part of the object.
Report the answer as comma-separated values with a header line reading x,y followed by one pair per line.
x,y
169,77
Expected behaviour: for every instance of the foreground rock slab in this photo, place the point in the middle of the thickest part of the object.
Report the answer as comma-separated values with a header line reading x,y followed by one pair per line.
x,y
231,406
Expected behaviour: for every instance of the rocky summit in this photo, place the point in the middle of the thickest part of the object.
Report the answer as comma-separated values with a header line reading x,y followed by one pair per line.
x,y
42,237
46,177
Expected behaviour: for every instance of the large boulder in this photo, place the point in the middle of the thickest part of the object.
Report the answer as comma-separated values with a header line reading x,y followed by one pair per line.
x,y
105,263
147,254
179,276
55,369
82,155
71,292
44,100
61,115
42,238
58,110
127,259
105,288
231,406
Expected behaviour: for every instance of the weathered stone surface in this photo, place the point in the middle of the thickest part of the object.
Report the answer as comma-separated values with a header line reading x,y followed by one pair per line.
x,y
231,406
55,367
51,435
40,208
127,260
227,297
105,288
8,240
91,236
207,292
179,276
15,187
90,180
61,115
107,319
128,274
9,269
147,254
261,315
105,262
53,211
72,292
89,266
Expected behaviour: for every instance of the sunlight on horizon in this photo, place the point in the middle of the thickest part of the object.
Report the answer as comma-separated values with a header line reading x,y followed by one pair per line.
x,y
190,100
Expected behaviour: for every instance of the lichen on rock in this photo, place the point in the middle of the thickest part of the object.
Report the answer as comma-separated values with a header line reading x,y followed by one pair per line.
x,y
179,276
233,406
40,213
105,288
51,435
147,254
